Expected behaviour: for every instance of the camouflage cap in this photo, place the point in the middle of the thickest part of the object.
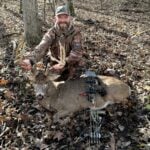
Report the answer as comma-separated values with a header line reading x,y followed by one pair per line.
x,y
61,10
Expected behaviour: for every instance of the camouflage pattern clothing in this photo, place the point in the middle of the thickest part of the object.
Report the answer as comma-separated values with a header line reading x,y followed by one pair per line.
x,y
71,39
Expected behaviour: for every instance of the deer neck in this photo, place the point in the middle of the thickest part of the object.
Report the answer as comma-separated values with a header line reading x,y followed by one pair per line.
x,y
52,92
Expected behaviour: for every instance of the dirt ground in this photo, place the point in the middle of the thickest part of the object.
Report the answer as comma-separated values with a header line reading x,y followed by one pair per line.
x,y
116,38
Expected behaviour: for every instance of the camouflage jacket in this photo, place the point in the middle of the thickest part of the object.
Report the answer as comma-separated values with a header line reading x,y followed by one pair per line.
x,y
71,40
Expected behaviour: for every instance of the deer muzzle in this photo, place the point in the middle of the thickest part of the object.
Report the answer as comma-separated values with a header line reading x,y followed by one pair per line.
x,y
40,97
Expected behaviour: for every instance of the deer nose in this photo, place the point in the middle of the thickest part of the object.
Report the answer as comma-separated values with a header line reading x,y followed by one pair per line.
x,y
40,97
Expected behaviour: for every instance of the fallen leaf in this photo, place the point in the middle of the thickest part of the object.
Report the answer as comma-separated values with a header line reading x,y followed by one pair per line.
x,y
2,119
147,106
3,82
24,117
112,142
1,65
146,87
121,128
1,107
59,135
9,95
125,144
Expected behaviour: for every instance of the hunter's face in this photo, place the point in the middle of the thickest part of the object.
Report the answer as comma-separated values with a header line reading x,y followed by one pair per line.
x,y
63,21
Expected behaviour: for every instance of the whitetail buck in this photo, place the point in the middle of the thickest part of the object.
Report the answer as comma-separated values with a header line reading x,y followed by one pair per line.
x,y
66,97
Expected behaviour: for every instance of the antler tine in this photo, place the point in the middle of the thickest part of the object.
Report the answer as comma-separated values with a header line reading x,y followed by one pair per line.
x,y
62,54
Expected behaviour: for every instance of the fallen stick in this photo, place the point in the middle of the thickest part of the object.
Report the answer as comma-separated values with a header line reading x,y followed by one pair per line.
x,y
7,35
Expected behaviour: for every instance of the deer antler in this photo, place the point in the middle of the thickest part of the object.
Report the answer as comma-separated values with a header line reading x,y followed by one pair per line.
x,y
62,60
62,54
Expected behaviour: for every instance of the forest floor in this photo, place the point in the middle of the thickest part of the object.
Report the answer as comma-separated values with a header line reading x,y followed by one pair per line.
x,y
118,44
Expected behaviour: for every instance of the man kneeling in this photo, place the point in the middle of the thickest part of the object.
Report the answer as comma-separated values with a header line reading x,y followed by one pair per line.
x,y
64,42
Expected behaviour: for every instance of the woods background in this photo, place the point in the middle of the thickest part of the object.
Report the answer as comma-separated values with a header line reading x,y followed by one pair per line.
x,y
116,37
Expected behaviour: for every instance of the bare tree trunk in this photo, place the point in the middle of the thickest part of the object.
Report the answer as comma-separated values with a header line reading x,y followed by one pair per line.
x,y
44,11
70,7
20,10
53,5
31,22
1,2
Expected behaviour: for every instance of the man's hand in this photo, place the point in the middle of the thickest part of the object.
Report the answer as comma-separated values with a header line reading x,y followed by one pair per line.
x,y
58,68
26,64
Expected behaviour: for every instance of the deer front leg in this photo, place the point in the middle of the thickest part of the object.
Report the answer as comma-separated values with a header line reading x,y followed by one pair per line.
x,y
45,104
59,115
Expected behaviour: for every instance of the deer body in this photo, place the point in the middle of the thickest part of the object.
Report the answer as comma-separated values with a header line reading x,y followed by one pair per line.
x,y
66,98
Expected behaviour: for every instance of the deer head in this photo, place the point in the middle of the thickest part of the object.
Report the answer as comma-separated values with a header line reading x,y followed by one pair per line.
x,y
42,80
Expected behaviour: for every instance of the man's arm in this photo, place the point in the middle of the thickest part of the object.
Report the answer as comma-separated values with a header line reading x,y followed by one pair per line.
x,y
76,51
41,49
